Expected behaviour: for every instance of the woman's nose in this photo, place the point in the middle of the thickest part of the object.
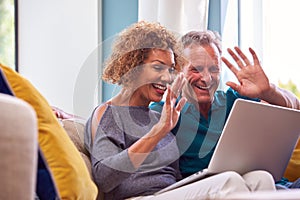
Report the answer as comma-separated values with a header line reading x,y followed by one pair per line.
x,y
166,76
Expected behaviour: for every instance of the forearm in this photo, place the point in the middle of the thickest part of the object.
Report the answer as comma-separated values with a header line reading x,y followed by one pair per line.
x,y
139,151
110,172
281,97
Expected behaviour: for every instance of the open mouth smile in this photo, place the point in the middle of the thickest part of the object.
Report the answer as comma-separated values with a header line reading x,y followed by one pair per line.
x,y
203,87
159,86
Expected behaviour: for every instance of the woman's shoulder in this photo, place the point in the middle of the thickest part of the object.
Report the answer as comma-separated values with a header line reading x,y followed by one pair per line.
x,y
99,111
96,117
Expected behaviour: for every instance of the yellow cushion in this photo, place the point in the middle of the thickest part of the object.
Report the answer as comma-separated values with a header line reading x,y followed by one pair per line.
x,y
68,169
293,169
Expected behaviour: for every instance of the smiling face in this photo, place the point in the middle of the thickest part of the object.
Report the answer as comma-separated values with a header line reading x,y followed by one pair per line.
x,y
151,82
203,73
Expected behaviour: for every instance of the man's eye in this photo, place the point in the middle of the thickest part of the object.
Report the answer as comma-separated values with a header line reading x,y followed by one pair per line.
x,y
197,69
214,69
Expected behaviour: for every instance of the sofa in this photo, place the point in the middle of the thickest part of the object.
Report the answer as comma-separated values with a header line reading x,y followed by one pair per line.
x,y
75,129
27,123
19,144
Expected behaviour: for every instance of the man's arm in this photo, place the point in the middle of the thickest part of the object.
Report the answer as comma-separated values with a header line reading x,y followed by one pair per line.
x,y
254,83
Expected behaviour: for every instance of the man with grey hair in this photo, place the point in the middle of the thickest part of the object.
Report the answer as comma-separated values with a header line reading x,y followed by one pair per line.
x,y
203,116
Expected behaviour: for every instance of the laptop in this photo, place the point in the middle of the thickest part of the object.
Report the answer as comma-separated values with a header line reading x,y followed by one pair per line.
x,y
256,136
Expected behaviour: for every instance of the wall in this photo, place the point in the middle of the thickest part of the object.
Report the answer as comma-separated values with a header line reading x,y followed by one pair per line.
x,y
59,51
57,41
116,15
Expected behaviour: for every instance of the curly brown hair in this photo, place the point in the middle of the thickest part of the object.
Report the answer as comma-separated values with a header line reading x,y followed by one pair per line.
x,y
132,47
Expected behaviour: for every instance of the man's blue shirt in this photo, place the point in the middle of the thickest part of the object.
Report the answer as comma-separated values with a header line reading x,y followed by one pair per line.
x,y
197,136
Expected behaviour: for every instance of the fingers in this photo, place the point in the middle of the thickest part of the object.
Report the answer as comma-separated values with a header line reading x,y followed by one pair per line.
x,y
233,85
229,65
168,97
242,55
178,85
255,58
235,58
174,91
171,100
240,58
180,104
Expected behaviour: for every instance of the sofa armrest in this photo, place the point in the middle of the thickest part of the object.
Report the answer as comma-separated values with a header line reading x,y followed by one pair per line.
x,y
18,148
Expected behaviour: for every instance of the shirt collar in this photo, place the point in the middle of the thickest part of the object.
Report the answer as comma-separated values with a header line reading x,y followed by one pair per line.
x,y
219,98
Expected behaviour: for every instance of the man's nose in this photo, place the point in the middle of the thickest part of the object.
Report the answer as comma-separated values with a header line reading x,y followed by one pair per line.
x,y
206,76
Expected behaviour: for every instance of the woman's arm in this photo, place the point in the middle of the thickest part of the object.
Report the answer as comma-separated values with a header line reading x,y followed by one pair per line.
x,y
139,151
110,162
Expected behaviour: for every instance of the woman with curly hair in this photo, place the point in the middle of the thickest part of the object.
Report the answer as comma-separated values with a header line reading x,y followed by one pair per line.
x,y
133,152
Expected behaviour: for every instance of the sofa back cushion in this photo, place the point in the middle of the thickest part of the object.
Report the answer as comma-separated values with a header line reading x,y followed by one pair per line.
x,y
75,129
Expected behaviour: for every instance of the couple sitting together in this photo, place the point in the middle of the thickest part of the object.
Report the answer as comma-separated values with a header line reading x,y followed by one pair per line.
x,y
137,150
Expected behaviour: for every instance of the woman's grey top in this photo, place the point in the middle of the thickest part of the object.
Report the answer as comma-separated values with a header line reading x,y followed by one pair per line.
x,y
113,172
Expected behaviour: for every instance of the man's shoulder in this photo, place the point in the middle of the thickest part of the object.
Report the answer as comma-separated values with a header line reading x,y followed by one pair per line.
x,y
157,106
233,95
228,94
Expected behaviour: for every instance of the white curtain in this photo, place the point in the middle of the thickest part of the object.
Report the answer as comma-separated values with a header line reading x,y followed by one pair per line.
x,y
178,15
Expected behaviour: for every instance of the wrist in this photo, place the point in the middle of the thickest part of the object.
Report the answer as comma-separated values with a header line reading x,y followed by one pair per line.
x,y
159,130
268,93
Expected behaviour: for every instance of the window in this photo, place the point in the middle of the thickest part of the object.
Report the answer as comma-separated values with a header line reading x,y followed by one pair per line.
x,y
270,26
7,33
281,42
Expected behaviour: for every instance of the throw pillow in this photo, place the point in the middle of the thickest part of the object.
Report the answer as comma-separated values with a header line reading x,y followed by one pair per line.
x,y
292,172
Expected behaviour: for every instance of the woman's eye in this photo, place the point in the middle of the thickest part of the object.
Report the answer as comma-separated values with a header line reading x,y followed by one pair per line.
x,y
171,70
158,67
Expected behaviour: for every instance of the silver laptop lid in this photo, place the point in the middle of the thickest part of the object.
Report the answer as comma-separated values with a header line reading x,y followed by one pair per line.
x,y
256,136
